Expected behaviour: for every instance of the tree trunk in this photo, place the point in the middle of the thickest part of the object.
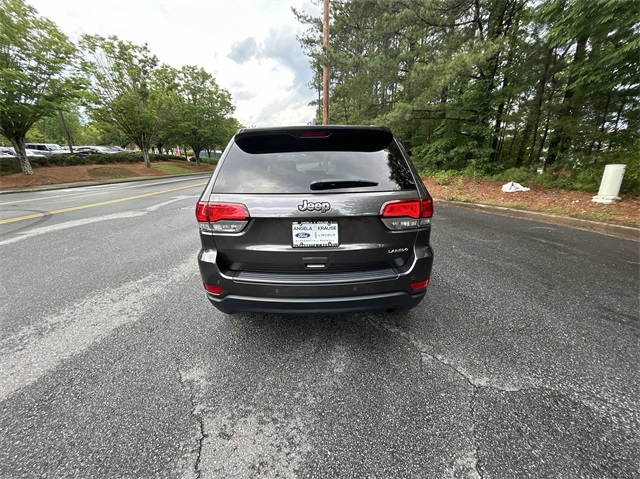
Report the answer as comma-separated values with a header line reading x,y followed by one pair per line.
x,y
67,136
543,140
571,111
615,127
534,116
18,145
145,156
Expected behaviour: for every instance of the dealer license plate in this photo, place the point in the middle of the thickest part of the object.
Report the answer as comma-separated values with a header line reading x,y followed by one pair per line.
x,y
314,234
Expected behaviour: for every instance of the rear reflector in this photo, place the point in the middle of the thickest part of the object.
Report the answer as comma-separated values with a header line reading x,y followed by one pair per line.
x,y
419,285
213,289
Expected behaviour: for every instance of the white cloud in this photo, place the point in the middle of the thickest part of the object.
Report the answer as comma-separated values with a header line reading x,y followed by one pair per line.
x,y
243,51
267,80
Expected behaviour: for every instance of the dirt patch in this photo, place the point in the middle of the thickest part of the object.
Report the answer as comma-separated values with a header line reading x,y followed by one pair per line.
x,y
575,204
54,175
109,172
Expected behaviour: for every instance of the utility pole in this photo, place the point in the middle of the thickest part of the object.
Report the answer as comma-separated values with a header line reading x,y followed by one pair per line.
x,y
325,68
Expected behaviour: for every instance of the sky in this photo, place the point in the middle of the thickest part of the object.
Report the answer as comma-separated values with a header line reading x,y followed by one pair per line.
x,y
249,46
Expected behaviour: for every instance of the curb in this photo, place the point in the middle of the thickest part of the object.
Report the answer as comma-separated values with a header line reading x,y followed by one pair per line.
x,y
624,232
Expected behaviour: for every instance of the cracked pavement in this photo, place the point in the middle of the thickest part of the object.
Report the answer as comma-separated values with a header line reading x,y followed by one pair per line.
x,y
521,362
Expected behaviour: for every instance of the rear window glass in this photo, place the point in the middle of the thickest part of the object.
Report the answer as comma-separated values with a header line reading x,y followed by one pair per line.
x,y
295,171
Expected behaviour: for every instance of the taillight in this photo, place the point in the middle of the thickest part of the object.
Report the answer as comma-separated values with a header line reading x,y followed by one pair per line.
x,y
407,214
401,208
426,210
221,217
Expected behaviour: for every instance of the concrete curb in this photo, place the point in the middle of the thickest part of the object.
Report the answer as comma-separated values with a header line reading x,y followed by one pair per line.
x,y
618,231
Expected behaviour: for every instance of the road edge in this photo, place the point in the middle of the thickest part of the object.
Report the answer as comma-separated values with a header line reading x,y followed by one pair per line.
x,y
625,232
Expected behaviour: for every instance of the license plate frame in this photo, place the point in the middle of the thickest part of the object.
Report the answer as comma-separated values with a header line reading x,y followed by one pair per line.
x,y
315,234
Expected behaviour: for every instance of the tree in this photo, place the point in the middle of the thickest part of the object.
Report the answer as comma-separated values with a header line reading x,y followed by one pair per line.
x,y
600,82
228,127
123,91
35,78
198,111
52,129
491,84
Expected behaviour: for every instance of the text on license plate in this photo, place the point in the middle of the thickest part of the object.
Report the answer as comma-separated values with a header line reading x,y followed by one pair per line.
x,y
310,234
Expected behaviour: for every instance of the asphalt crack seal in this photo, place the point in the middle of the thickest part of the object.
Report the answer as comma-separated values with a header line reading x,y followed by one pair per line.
x,y
471,462
188,381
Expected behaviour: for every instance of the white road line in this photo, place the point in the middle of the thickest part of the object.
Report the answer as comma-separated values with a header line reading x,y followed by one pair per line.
x,y
49,198
29,355
70,224
98,189
160,205
85,221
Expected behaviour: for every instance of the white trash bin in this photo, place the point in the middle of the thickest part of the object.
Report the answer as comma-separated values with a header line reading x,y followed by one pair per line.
x,y
610,184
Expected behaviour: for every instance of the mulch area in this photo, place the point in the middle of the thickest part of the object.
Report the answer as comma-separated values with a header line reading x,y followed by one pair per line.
x,y
55,175
576,204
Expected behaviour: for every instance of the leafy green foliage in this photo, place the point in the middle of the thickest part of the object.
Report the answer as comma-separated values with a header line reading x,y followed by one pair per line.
x,y
124,91
198,110
36,80
491,85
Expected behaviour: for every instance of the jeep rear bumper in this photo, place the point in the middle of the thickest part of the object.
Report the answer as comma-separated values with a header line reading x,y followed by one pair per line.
x,y
350,304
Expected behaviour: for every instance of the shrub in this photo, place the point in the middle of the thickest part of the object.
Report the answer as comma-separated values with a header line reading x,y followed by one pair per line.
x,y
10,166
209,161
444,177
519,175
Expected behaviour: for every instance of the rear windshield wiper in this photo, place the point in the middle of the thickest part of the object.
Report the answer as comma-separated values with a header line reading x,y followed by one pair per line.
x,y
335,184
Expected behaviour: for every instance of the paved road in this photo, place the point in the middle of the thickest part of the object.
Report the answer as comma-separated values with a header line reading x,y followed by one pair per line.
x,y
522,362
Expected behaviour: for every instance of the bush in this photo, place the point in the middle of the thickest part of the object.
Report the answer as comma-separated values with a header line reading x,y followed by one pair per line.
x,y
10,166
209,161
519,175
444,177
161,157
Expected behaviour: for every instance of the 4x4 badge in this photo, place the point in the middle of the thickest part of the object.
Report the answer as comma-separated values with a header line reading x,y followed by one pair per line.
x,y
310,206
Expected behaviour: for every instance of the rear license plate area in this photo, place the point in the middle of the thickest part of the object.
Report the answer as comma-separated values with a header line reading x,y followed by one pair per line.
x,y
314,234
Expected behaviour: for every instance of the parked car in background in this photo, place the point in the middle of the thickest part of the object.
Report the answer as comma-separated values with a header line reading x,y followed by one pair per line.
x,y
119,149
94,149
315,219
10,151
46,149
85,150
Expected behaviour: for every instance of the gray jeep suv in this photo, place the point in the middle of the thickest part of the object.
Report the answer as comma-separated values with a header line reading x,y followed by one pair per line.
x,y
315,219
